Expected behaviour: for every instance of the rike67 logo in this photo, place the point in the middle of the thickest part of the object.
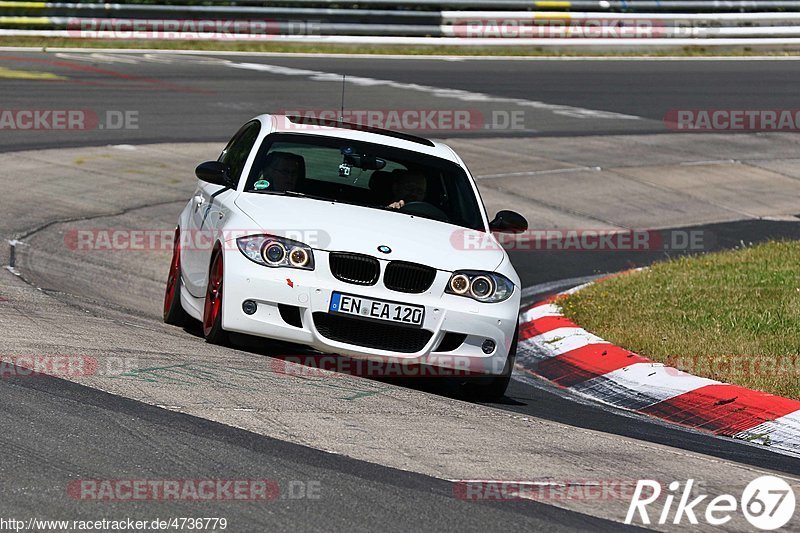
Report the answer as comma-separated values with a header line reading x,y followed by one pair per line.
x,y
768,503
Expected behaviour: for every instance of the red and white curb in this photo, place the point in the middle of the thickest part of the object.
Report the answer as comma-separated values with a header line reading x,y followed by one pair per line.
x,y
553,347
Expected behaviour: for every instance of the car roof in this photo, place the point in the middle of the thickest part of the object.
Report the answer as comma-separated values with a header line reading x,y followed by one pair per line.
x,y
344,130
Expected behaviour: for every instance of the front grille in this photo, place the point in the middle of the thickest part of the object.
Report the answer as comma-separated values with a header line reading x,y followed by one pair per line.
x,y
408,277
354,268
370,334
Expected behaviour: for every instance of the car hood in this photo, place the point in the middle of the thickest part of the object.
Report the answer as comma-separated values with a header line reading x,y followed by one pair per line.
x,y
334,226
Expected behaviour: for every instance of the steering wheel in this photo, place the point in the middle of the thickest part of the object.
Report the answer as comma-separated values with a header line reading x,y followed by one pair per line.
x,y
424,209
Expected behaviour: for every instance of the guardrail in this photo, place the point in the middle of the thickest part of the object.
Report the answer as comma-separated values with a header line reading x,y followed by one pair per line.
x,y
600,5
773,23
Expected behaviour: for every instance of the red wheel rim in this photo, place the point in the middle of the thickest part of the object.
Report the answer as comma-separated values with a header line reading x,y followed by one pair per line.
x,y
174,274
213,304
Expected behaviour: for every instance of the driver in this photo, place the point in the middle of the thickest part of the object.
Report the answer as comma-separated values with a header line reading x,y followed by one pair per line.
x,y
281,172
410,186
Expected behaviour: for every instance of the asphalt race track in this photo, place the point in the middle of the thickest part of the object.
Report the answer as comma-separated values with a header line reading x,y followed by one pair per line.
x,y
179,98
383,454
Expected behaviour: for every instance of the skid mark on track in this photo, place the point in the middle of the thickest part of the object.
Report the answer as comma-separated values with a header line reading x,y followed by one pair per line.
x,y
244,379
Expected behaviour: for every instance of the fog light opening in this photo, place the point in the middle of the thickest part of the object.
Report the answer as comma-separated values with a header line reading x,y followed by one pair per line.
x,y
249,307
488,346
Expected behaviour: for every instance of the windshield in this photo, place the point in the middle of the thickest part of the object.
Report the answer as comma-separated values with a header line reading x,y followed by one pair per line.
x,y
365,174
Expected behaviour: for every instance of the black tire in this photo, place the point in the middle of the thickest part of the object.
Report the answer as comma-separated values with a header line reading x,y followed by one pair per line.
x,y
174,314
212,319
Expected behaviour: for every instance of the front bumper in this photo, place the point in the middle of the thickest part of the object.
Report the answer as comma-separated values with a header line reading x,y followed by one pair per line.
x,y
310,293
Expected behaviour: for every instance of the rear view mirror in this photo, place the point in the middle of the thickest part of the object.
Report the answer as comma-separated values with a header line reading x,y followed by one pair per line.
x,y
370,162
214,172
508,222
362,161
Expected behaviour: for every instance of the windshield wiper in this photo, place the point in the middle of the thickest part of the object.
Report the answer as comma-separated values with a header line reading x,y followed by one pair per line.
x,y
294,194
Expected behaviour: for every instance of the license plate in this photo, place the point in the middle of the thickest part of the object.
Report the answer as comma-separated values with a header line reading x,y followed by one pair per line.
x,y
369,308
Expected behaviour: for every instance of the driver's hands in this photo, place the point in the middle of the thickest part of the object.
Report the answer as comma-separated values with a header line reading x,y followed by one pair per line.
x,y
397,205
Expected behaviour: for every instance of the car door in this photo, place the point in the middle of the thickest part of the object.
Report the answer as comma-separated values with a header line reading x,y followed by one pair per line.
x,y
208,210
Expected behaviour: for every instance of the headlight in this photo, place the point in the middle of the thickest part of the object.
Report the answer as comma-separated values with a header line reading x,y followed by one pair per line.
x,y
299,257
459,284
272,251
481,286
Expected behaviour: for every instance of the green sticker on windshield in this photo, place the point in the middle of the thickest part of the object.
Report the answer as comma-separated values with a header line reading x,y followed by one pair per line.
x,y
260,185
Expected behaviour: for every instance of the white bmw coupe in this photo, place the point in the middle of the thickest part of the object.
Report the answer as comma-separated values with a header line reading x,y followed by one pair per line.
x,y
350,240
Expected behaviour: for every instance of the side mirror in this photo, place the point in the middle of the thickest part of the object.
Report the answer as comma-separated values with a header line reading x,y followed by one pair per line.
x,y
508,222
214,172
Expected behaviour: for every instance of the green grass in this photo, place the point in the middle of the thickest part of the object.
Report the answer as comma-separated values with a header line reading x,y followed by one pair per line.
x,y
732,316
277,47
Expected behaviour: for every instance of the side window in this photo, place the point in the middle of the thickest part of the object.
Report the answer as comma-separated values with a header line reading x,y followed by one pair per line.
x,y
239,147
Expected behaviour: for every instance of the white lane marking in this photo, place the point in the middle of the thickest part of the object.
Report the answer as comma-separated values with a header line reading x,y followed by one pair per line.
x,y
641,384
167,57
99,58
710,162
782,433
548,286
119,57
540,311
539,172
560,341
573,290
458,94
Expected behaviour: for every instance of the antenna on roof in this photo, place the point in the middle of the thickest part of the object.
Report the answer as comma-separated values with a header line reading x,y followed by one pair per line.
x,y
341,115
